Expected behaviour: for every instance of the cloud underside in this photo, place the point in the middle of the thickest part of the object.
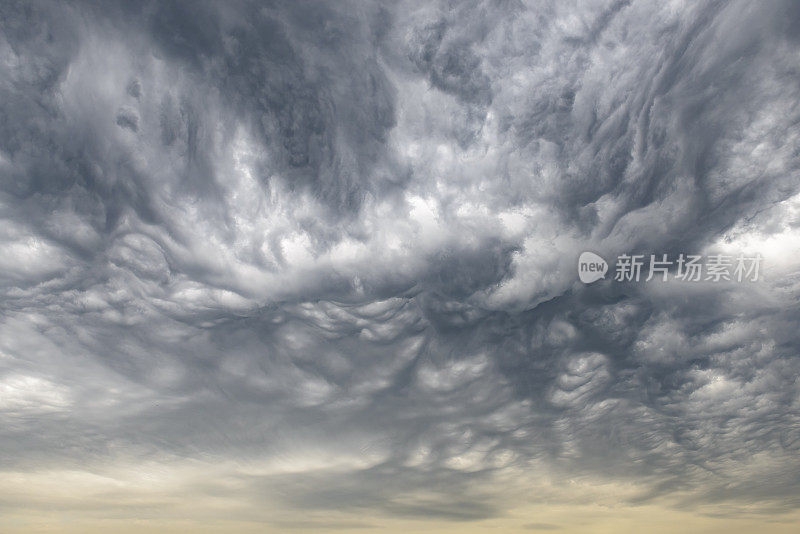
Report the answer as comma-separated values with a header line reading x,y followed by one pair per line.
x,y
297,260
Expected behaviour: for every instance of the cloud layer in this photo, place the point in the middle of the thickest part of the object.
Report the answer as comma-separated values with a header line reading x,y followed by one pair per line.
x,y
311,259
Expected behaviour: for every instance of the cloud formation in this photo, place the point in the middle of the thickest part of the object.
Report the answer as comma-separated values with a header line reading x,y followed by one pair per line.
x,y
299,260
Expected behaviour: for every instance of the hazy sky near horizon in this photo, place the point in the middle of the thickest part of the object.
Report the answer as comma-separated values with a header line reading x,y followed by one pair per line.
x,y
311,266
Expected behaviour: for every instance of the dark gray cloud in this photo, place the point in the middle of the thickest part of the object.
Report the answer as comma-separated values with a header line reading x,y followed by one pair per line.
x,y
320,257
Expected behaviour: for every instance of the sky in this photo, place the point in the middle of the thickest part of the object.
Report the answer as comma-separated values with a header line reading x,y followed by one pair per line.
x,y
306,266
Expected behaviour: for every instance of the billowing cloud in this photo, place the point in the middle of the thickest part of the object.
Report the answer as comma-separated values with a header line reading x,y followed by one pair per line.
x,y
313,264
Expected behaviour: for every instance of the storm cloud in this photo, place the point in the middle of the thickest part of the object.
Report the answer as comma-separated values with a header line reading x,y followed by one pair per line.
x,y
312,265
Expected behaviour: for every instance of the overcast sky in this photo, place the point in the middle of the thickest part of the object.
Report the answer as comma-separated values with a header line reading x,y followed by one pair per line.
x,y
298,266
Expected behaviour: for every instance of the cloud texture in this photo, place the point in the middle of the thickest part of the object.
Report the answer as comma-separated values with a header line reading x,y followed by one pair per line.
x,y
307,262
